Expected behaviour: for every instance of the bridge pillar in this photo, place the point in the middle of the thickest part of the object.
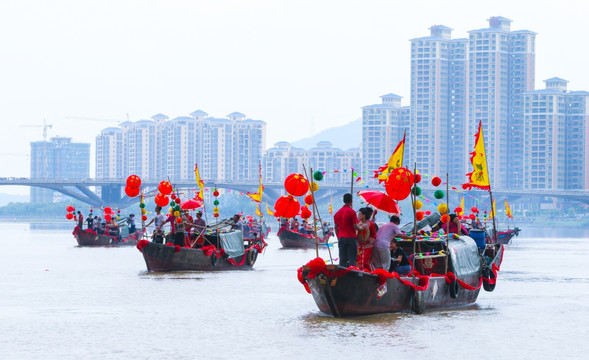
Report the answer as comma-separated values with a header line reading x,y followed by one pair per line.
x,y
111,194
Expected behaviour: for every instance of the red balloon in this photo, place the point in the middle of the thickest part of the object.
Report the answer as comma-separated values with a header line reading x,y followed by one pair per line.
x,y
143,217
165,187
134,181
417,178
107,210
428,212
436,181
419,215
161,200
474,210
69,216
131,191
215,193
107,217
296,184
177,200
173,196
70,208
472,216
458,210
398,185
305,212
309,199
216,215
287,206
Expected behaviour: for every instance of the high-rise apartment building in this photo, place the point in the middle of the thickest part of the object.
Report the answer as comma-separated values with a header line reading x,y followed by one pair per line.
x,y
556,135
439,110
383,127
225,149
58,158
284,159
501,68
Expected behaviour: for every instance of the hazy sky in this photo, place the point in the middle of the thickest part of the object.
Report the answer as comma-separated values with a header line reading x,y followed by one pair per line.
x,y
300,65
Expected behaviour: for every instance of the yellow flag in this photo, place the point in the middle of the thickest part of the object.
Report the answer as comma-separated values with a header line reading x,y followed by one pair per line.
x,y
479,177
257,197
330,205
461,205
395,161
508,210
199,182
271,213
492,215
258,210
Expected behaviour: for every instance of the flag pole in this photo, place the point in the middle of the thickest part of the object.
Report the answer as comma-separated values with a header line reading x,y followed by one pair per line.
x,y
494,237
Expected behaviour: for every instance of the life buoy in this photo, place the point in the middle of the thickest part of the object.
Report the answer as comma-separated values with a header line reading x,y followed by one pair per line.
x,y
488,274
418,302
252,255
454,287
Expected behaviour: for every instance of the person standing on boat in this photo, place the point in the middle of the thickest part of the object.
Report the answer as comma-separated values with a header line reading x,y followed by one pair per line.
x,y
80,219
294,225
158,220
131,223
381,250
177,229
89,221
399,262
366,237
344,220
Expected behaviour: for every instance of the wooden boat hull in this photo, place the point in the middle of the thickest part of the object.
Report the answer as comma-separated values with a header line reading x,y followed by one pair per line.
x,y
504,237
159,257
85,238
356,292
293,239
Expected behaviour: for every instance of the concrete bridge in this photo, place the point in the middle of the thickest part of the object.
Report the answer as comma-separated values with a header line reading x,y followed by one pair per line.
x,y
112,194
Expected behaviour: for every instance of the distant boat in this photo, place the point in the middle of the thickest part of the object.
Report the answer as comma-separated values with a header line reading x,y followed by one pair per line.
x,y
294,239
88,237
253,230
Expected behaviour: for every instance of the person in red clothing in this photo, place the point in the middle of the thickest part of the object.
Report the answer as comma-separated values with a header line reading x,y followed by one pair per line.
x,y
366,237
344,221
80,219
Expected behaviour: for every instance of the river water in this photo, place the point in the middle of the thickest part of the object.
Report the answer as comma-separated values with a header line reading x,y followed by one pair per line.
x,y
61,301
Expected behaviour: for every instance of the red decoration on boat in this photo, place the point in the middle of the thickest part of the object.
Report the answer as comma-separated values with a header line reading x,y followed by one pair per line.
x,y
165,187
107,210
445,218
305,212
177,200
287,206
458,210
474,210
436,181
398,185
161,200
173,196
107,217
296,184
134,181
309,199
417,178
472,216
380,200
419,215
70,208
215,193
69,216
178,220
141,244
143,217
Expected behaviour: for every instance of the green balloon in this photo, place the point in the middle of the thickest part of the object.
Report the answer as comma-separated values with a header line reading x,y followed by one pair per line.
x,y
177,208
439,194
142,205
216,202
416,191
318,175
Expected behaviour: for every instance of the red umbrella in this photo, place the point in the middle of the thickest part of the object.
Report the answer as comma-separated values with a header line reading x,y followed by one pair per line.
x,y
191,204
380,200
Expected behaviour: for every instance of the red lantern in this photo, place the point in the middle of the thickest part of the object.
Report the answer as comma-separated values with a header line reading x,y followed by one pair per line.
x,y
305,212
107,210
419,215
69,216
107,217
436,181
445,218
296,184
173,196
428,212
134,181
131,191
309,199
417,178
178,220
458,210
70,208
216,215
144,218
398,185
250,220
165,187
215,193
474,210
472,216
287,206
161,200
177,200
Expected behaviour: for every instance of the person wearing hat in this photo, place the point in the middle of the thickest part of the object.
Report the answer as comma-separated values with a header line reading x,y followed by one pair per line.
x,y
131,223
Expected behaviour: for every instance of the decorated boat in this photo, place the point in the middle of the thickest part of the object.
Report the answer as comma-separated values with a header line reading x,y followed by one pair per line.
x,y
221,249
255,230
447,274
294,239
88,237
504,237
